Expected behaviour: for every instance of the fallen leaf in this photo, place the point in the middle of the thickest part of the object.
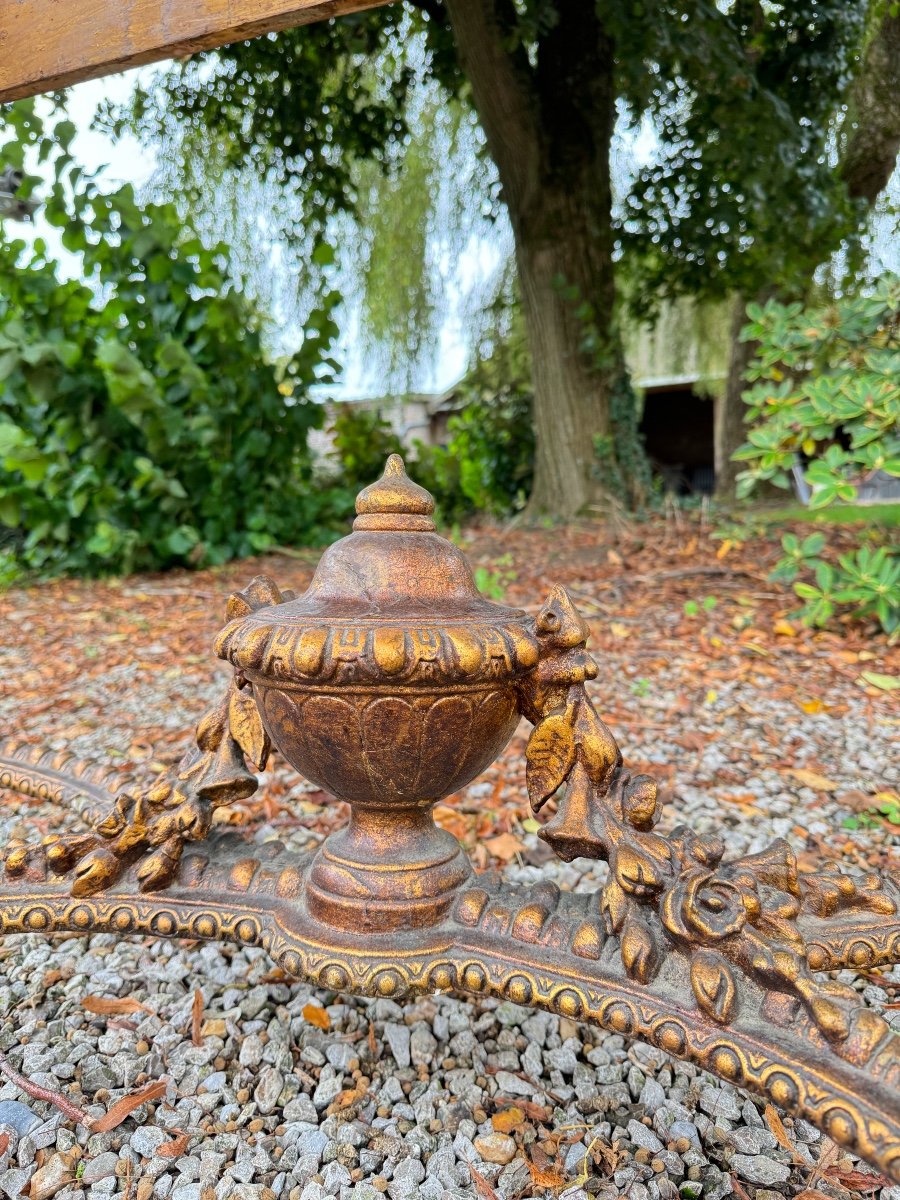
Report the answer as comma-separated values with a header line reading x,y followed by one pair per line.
x,y
617,629
482,1188
316,1015
504,846
530,825
197,1018
542,1171
106,1006
175,1148
776,1126
4,1142
534,1112
614,559
508,1120
125,1107
784,629
812,779
858,1181
884,683
814,706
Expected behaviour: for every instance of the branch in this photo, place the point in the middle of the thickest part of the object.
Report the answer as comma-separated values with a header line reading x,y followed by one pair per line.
x,y
502,80
873,124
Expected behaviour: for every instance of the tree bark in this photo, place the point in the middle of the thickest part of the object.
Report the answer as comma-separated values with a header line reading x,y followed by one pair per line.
x,y
549,127
872,138
728,416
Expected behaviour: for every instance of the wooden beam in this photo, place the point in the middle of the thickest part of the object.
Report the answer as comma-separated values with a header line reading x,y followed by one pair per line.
x,y
48,44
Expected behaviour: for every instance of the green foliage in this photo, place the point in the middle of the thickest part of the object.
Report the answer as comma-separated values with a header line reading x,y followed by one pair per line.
x,y
826,397
140,425
827,388
871,818
488,462
362,439
693,609
493,583
741,191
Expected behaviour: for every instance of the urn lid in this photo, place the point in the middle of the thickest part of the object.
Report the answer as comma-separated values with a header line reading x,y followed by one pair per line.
x,y
393,599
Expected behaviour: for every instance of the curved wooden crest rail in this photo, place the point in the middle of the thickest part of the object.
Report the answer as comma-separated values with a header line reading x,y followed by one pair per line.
x,y
392,683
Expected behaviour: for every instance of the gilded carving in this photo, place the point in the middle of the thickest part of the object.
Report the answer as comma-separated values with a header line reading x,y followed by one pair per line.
x,y
736,920
391,682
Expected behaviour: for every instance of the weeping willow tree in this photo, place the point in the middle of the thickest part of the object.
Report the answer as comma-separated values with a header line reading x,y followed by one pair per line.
x,y
417,242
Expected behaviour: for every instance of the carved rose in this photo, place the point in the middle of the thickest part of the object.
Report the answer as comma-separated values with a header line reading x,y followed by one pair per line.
x,y
701,904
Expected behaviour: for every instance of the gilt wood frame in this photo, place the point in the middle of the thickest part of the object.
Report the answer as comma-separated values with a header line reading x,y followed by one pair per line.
x,y
50,44
391,682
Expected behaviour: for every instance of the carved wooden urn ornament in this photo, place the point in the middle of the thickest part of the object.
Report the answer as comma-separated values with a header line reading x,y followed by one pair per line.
x,y
392,683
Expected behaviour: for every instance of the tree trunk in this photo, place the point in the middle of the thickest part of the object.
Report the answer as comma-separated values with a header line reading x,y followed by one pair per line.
x,y
728,417
872,128
564,273
549,127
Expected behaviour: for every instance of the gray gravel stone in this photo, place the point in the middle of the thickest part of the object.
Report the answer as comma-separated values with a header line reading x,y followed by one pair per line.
x,y
100,1167
407,1177
398,1038
19,1116
756,1168
147,1139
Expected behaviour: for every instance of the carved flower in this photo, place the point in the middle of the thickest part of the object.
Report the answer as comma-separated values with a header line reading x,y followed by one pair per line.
x,y
705,906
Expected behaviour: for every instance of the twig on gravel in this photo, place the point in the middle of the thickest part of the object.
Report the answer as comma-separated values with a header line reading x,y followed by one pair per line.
x,y
63,1103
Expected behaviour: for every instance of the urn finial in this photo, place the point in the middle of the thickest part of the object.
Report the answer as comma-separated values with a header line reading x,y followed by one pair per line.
x,y
394,502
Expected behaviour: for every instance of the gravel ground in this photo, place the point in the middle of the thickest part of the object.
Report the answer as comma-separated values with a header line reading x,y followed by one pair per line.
x,y
405,1100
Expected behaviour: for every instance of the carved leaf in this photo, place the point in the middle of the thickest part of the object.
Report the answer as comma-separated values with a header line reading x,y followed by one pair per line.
x,y
714,986
96,871
247,729
614,905
639,953
636,872
599,750
158,869
549,756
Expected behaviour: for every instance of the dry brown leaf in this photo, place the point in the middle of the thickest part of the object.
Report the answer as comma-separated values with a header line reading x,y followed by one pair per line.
x,y
125,1107
776,1126
4,1142
812,1194
543,1172
534,1112
316,1015
508,1120
176,1147
857,1181
504,846
106,1006
373,1047
197,1018
812,779
482,1188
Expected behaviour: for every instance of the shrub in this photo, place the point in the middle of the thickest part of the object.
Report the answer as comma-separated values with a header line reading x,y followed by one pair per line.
x,y
363,439
140,423
826,402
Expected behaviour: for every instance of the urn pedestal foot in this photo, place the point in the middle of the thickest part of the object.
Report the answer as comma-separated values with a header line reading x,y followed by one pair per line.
x,y
381,875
